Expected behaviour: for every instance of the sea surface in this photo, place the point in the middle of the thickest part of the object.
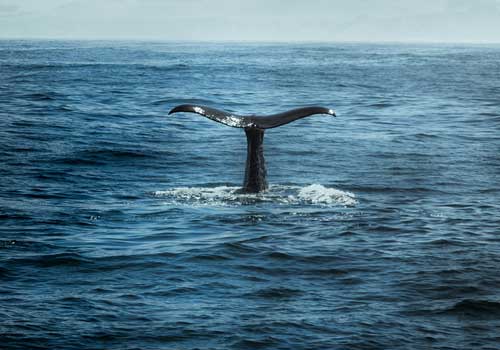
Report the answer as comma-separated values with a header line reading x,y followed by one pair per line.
x,y
122,227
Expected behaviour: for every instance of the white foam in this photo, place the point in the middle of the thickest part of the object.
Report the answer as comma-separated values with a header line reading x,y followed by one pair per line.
x,y
278,194
318,194
200,194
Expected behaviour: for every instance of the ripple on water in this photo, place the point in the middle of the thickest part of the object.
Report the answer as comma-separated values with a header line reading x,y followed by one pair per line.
x,y
475,309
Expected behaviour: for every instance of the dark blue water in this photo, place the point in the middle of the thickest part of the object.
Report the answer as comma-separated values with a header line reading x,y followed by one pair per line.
x,y
122,228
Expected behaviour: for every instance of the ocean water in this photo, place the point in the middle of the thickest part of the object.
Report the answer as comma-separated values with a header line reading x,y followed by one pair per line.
x,y
123,228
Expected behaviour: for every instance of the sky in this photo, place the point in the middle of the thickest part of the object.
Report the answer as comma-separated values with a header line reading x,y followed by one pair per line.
x,y
475,21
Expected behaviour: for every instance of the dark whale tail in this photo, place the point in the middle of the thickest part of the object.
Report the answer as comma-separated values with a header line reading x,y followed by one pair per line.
x,y
254,125
252,121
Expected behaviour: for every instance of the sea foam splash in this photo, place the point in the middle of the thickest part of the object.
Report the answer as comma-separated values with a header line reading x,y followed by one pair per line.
x,y
318,194
277,194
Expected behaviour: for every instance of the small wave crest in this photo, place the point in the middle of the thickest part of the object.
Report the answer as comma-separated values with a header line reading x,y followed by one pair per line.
x,y
318,194
277,194
475,308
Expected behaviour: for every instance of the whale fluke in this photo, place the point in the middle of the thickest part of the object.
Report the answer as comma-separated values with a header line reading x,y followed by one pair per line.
x,y
254,125
252,121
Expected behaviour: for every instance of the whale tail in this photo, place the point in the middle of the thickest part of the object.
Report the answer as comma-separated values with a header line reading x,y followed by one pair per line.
x,y
254,125
252,121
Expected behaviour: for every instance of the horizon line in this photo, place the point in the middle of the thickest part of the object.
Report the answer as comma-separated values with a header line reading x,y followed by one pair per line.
x,y
249,41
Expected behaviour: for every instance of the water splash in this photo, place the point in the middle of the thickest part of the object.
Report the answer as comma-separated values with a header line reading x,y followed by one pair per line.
x,y
318,194
276,194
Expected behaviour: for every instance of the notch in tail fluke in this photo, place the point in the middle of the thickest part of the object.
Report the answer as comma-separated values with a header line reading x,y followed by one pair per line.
x,y
252,121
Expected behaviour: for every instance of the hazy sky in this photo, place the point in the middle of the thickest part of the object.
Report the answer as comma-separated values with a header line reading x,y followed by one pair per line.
x,y
261,20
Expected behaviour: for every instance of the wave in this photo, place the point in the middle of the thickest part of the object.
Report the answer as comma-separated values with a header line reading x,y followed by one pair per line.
x,y
133,65
101,156
4,273
424,136
381,104
182,101
50,260
470,308
276,293
489,114
121,154
41,96
277,194
475,308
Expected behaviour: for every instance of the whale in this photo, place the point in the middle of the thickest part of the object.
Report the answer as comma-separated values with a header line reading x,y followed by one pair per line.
x,y
255,179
